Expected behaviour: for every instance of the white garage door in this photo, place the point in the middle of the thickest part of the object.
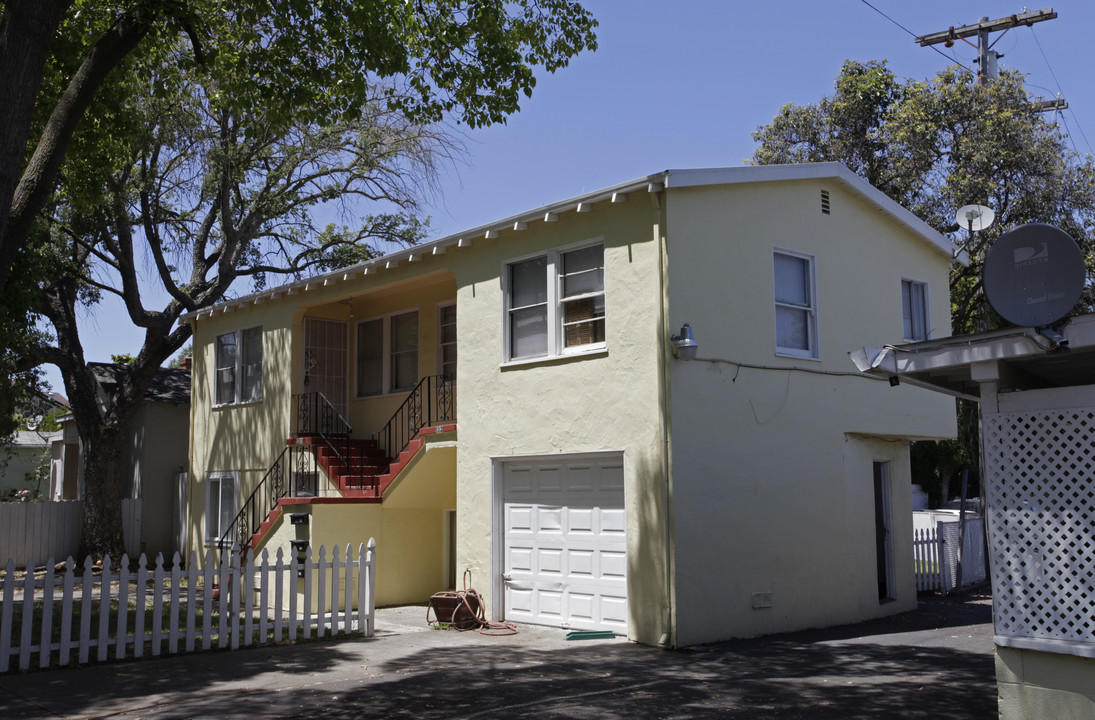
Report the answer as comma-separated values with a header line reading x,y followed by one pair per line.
x,y
565,551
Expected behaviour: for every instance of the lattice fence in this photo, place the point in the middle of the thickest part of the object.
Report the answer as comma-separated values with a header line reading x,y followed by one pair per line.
x,y
1039,469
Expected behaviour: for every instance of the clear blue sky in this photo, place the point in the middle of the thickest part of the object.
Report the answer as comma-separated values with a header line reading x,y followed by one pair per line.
x,y
684,84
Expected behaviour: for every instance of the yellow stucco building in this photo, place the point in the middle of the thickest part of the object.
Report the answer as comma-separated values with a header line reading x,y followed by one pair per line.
x,y
552,433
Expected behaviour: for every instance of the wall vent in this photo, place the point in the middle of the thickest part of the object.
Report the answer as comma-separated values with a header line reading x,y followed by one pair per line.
x,y
762,600
825,202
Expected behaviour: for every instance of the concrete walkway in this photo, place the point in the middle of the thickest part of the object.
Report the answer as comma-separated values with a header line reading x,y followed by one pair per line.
x,y
934,663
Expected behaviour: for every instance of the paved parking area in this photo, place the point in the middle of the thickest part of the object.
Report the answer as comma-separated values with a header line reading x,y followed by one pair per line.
x,y
934,663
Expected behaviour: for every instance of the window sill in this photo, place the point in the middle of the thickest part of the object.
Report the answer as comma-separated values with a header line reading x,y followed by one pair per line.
x,y
794,356
223,406
599,351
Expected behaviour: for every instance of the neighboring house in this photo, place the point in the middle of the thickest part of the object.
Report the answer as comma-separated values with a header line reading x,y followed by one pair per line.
x,y
1036,392
20,458
154,459
586,476
27,451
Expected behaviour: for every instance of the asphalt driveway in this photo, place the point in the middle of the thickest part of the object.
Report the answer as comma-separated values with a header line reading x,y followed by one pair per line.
x,y
936,662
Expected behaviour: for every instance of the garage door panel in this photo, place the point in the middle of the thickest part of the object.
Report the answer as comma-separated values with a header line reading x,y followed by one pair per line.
x,y
613,522
614,565
519,518
520,559
550,562
551,603
565,544
581,564
549,519
580,520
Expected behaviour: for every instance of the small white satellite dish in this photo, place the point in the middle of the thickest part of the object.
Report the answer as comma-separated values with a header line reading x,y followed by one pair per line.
x,y
974,217
34,423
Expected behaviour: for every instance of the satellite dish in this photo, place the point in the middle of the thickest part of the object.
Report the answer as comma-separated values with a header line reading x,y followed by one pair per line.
x,y
34,423
974,217
1034,275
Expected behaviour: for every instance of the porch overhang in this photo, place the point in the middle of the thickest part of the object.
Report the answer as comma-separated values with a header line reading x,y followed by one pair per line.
x,y
1018,358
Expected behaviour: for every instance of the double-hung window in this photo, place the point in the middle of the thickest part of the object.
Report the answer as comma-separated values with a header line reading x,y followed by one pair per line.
x,y
555,303
387,354
220,505
238,367
914,310
796,305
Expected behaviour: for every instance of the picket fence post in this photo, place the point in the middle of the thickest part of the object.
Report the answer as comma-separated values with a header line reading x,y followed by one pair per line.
x,y
66,611
6,611
46,636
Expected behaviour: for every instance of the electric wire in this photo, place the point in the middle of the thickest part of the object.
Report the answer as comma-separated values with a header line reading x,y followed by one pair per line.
x,y
1061,92
913,35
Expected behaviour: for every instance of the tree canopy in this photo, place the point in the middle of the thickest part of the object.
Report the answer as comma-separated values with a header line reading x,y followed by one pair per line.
x,y
936,145
195,141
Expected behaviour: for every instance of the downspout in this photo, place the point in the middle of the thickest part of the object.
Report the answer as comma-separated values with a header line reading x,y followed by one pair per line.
x,y
667,640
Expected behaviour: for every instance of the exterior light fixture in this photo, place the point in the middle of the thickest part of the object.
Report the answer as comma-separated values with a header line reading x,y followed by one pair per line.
x,y
686,346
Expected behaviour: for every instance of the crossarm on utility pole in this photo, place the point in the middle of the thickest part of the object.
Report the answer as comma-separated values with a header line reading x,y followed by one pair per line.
x,y
951,34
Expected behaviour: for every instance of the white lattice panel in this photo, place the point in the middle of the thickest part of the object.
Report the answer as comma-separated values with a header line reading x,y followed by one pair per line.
x,y
1039,469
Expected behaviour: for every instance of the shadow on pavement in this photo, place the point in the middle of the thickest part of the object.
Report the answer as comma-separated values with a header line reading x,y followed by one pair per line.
x,y
862,671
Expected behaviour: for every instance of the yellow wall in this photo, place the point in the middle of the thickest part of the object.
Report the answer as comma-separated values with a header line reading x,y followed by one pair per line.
x,y
607,401
1035,684
773,456
247,439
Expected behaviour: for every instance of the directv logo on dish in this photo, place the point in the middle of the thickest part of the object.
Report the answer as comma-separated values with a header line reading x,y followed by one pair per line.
x,y
1027,256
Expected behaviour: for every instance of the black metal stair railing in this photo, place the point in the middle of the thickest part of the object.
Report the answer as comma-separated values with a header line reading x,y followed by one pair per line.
x,y
432,401
317,417
294,473
296,470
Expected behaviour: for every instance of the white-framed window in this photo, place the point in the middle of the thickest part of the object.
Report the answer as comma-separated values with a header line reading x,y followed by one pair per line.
x,y
238,366
446,340
914,310
555,303
796,304
387,354
221,505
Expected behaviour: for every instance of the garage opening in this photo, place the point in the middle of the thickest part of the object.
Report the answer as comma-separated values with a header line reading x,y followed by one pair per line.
x,y
562,558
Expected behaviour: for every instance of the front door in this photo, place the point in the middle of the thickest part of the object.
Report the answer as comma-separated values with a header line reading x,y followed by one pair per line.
x,y
325,355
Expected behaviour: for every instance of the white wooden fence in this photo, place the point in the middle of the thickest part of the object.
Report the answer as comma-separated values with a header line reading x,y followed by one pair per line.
x,y
52,529
145,612
935,548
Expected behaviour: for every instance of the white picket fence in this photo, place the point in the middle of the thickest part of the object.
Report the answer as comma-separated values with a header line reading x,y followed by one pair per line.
x,y
52,529
147,612
935,548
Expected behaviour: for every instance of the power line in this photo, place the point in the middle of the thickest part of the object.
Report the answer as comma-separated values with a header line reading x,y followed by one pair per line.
x,y
913,35
1060,91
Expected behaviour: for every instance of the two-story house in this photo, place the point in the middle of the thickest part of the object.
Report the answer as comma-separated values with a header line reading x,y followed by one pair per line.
x,y
630,410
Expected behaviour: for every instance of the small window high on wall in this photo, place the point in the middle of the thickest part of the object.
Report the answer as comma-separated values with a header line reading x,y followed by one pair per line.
x,y
796,305
914,310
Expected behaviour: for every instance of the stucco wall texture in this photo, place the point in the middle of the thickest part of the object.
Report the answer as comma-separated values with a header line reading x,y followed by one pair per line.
x,y
744,471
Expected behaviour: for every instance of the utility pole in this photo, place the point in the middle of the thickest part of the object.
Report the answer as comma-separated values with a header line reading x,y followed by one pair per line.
x,y
986,56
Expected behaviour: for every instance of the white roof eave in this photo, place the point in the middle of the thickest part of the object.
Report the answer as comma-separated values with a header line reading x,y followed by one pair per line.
x,y
650,183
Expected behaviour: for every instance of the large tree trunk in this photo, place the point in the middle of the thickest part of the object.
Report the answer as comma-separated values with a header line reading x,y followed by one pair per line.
x,y
103,461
